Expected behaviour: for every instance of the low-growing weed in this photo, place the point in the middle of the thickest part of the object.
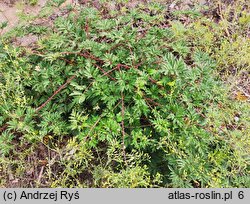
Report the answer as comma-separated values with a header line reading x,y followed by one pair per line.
x,y
121,100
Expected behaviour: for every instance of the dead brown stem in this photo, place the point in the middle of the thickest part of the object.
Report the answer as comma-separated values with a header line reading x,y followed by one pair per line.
x,y
123,130
40,175
55,93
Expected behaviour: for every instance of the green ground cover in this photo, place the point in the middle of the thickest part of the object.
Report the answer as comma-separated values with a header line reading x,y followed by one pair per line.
x,y
127,98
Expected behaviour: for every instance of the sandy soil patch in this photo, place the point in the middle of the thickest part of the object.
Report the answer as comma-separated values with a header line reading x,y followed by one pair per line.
x,y
9,10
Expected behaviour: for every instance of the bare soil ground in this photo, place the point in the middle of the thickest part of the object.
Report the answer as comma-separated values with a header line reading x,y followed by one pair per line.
x,y
9,10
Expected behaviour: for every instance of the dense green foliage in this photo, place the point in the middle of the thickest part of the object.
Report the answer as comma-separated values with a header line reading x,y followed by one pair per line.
x,y
119,101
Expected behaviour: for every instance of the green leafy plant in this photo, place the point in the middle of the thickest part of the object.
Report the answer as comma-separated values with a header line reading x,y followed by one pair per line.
x,y
118,101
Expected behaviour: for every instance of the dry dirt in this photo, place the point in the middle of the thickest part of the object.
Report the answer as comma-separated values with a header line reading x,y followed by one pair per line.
x,y
9,10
